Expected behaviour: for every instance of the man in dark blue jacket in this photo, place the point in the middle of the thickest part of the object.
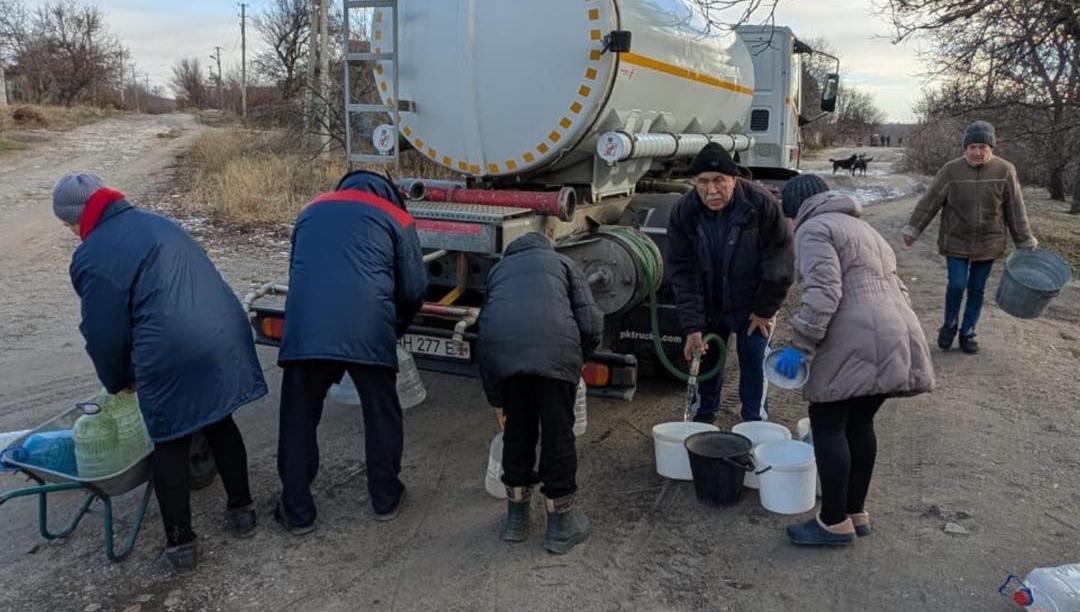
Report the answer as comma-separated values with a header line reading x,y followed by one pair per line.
x,y
158,317
356,281
731,262
538,324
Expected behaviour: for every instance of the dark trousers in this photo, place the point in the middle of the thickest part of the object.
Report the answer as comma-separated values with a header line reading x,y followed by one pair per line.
x,y
303,388
172,476
751,351
539,407
845,447
969,276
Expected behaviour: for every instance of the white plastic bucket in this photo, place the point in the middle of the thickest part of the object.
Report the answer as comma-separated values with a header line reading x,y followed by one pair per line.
x,y
803,429
787,471
669,442
758,432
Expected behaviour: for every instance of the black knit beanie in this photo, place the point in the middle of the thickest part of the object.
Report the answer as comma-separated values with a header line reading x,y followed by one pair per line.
x,y
713,158
798,189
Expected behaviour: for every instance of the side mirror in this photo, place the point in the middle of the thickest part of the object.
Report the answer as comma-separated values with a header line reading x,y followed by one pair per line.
x,y
828,92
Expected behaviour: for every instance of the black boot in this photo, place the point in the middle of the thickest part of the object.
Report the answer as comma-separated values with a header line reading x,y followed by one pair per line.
x,y
183,557
567,526
516,526
241,521
968,344
946,335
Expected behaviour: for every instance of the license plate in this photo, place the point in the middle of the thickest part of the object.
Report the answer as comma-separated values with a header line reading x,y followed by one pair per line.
x,y
436,347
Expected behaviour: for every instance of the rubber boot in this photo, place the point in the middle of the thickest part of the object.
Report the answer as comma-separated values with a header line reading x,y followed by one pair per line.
x,y
566,525
816,533
516,526
968,344
946,335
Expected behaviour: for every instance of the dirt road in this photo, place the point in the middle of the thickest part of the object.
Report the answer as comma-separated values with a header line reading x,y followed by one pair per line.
x,y
992,450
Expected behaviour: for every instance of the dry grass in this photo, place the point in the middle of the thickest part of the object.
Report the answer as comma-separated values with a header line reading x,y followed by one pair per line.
x,y
35,117
1052,224
248,178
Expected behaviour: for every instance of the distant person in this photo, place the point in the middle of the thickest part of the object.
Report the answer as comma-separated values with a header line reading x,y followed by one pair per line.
x,y
538,324
159,319
856,331
981,202
731,263
356,281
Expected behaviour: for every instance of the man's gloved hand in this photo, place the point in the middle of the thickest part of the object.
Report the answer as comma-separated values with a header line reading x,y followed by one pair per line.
x,y
789,362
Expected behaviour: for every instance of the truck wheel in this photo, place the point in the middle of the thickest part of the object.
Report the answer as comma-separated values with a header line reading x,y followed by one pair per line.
x,y
203,468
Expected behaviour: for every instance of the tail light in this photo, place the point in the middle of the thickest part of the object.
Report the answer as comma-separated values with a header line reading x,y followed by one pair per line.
x,y
596,374
272,327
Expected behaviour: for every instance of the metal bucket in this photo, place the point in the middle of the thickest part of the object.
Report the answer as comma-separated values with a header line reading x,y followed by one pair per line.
x,y
1030,281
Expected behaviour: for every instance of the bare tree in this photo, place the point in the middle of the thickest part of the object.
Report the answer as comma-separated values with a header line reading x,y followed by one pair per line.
x,y
1007,59
856,114
285,28
726,14
189,84
66,53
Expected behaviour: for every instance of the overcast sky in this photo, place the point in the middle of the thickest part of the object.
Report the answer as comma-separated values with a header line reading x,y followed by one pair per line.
x,y
159,32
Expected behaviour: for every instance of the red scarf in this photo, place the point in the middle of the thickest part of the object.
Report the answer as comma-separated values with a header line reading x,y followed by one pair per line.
x,y
95,207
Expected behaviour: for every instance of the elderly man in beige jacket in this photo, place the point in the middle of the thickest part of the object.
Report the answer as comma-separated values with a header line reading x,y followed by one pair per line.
x,y
864,345
980,201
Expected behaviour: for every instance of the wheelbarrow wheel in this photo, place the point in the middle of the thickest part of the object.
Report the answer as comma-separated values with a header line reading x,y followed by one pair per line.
x,y
203,468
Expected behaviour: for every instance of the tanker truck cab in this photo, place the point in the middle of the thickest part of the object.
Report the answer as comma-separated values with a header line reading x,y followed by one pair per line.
x,y
776,113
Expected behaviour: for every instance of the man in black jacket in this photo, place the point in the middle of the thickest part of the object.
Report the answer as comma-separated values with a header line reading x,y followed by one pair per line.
x,y
731,261
538,323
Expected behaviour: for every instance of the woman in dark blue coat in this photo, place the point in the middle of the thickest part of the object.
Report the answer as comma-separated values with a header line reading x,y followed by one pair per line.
x,y
158,317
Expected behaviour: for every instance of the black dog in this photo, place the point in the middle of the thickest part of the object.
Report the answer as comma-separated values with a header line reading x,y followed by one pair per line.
x,y
861,163
843,164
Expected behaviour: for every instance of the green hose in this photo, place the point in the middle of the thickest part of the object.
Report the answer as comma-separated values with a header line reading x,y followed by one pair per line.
x,y
645,251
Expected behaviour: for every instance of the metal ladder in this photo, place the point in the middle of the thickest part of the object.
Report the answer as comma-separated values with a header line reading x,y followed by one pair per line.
x,y
353,108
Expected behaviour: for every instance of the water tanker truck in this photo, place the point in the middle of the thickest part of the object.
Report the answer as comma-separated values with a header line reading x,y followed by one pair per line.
x,y
575,118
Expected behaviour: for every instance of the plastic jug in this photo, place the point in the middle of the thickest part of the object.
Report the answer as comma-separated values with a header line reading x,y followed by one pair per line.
x,y
493,479
345,392
97,444
410,388
132,438
581,420
52,450
1046,589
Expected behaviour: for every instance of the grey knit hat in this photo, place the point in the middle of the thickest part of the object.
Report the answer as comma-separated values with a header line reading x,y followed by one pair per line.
x,y
798,189
980,132
71,193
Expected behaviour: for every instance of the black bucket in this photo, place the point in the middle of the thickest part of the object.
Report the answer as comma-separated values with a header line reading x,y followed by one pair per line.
x,y
719,461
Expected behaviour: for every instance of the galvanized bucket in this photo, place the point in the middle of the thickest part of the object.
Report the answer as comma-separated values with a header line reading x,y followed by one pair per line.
x,y
1030,281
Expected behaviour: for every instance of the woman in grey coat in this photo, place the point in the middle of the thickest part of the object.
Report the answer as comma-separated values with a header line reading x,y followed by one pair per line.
x,y
863,343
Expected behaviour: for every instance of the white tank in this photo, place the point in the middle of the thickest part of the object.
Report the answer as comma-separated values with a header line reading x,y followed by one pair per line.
x,y
504,87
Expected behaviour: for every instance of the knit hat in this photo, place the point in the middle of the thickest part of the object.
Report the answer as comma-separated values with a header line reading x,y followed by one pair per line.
x,y
980,132
713,158
798,189
71,193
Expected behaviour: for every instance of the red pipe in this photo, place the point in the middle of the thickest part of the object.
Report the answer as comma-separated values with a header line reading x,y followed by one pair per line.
x,y
559,203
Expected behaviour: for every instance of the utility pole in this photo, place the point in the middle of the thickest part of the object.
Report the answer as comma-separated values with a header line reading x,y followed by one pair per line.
x,y
220,94
243,60
120,55
324,72
3,87
147,81
135,88
313,40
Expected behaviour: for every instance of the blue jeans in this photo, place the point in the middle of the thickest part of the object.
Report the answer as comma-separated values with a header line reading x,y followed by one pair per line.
x,y
751,351
970,276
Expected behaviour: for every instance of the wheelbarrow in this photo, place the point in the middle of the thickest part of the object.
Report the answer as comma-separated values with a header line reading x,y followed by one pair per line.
x,y
104,489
